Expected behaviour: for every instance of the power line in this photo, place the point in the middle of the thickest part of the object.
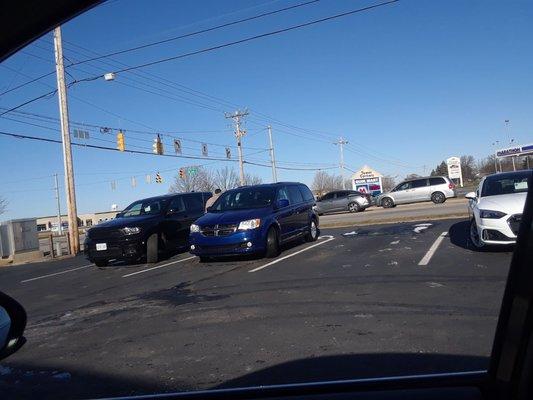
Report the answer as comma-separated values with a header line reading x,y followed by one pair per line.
x,y
197,32
255,37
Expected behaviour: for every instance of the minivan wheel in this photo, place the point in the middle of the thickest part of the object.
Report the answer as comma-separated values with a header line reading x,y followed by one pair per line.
x,y
101,263
312,231
438,198
387,202
152,248
353,207
474,235
272,243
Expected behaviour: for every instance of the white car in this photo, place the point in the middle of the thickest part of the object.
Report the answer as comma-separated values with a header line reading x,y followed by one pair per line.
x,y
496,208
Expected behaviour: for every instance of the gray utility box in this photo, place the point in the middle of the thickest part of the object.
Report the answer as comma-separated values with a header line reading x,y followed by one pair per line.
x,y
18,236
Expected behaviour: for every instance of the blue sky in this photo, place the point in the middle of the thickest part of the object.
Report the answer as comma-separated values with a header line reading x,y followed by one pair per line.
x,y
413,82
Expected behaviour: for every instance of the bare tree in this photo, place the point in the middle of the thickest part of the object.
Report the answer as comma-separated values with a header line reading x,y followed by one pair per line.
x,y
468,168
412,176
388,182
3,205
226,178
252,179
324,182
202,181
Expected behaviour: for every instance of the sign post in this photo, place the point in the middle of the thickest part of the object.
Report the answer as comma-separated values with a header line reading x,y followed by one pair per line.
x,y
454,169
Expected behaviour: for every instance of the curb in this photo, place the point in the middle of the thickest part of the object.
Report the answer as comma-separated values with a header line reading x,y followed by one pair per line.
x,y
393,220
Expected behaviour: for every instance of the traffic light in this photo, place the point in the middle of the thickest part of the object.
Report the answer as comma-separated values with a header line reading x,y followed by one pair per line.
x,y
121,143
157,146
158,178
182,173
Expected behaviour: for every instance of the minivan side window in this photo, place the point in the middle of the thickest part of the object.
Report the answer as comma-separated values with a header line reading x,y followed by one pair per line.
x,y
404,186
294,195
420,183
436,181
283,194
306,193
193,202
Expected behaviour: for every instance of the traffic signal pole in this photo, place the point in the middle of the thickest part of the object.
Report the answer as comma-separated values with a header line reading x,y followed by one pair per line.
x,y
74,239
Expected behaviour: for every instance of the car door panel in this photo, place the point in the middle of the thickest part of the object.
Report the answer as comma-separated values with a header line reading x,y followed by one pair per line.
x,y
326,203
284,215
420,190
402,193
299,207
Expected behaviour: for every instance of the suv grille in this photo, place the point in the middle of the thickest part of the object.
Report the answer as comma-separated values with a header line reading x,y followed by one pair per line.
x,y
219,230
514,222
104,233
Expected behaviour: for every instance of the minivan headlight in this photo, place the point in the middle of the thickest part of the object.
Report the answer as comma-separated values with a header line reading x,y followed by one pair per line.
x,y
195,228
491,214
250,224
131,230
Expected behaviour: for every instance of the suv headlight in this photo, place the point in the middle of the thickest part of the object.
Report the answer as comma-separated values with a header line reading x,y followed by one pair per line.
x,y
131,230
195,228
250,224
491,214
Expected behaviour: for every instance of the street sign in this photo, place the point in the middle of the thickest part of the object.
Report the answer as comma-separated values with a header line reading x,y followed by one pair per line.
x,y
192,171
78,133
454,169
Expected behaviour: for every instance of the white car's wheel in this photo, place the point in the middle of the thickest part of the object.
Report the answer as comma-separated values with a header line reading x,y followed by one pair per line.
x,y
474,235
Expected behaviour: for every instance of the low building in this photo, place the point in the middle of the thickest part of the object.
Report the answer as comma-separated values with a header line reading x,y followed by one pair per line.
x,y
49,223
368,180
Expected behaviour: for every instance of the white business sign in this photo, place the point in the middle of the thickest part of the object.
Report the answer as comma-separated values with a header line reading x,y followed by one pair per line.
x,y
454,169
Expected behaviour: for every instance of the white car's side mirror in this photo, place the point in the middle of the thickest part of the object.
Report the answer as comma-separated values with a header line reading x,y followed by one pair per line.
x,y
470,195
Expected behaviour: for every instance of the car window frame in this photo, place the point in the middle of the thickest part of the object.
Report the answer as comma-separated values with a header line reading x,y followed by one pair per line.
x,y
296,190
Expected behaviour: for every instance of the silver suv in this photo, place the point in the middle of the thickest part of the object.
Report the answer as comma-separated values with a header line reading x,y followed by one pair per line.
x,y
434,188
342,200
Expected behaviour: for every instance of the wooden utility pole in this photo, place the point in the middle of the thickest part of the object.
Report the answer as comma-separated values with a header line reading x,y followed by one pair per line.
x,y
272,158
74,240
239,133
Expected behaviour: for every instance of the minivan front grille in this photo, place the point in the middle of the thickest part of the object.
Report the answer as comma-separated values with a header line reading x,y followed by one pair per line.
x,y
219,229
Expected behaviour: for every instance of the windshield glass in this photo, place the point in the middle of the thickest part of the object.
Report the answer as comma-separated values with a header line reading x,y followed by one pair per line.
x,y
144,207
505,184
244,198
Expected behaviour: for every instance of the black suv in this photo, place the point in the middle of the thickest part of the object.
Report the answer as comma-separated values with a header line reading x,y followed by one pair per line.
x,y
146,228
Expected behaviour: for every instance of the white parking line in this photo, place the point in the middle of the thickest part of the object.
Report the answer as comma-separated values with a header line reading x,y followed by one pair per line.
x,y
330,238
427,257
56,273
157,267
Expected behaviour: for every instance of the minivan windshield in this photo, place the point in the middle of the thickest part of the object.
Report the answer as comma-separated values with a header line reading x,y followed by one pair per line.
x,y
244,198
144,207
505,184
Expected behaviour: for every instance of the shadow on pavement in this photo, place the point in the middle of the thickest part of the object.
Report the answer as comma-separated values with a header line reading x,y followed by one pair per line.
x,y
460,236
59,382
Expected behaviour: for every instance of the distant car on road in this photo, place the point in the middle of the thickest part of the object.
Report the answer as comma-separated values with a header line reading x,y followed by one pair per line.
x,y
255,220
342,200
496,208
145,229
434,188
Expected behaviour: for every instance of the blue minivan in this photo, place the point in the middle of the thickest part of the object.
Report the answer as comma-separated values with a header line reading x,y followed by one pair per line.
x,y
255,220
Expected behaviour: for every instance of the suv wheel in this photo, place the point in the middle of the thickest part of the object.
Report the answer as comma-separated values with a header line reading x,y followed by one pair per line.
x,y
474,235
438,198
272,243
354,207
152,248
101,263
312,231
387,203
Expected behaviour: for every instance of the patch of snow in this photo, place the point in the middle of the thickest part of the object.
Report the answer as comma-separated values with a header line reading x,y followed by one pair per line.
x,y
419,229
424,224
393,263
352,233
435,284
395,242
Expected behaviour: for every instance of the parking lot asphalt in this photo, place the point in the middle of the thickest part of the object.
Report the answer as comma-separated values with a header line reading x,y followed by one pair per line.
x,y
361,301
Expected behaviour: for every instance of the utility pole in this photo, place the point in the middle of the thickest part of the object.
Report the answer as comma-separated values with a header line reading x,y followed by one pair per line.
x,y
74,239
60,228
341,143
237,119
272,158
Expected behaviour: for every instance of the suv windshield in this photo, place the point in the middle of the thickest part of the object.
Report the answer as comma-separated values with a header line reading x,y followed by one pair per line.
x,y
505,184
244,198
144,207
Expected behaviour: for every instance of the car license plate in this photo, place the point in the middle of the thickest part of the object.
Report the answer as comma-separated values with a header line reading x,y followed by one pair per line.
x,y
101,246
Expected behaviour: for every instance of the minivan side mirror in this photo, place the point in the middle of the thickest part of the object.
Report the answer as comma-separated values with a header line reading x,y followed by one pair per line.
x,y
282,203
12,324
470,195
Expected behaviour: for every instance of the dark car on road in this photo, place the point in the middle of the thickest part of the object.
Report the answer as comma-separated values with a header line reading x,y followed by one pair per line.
x,y
342,200
145,229
255,220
